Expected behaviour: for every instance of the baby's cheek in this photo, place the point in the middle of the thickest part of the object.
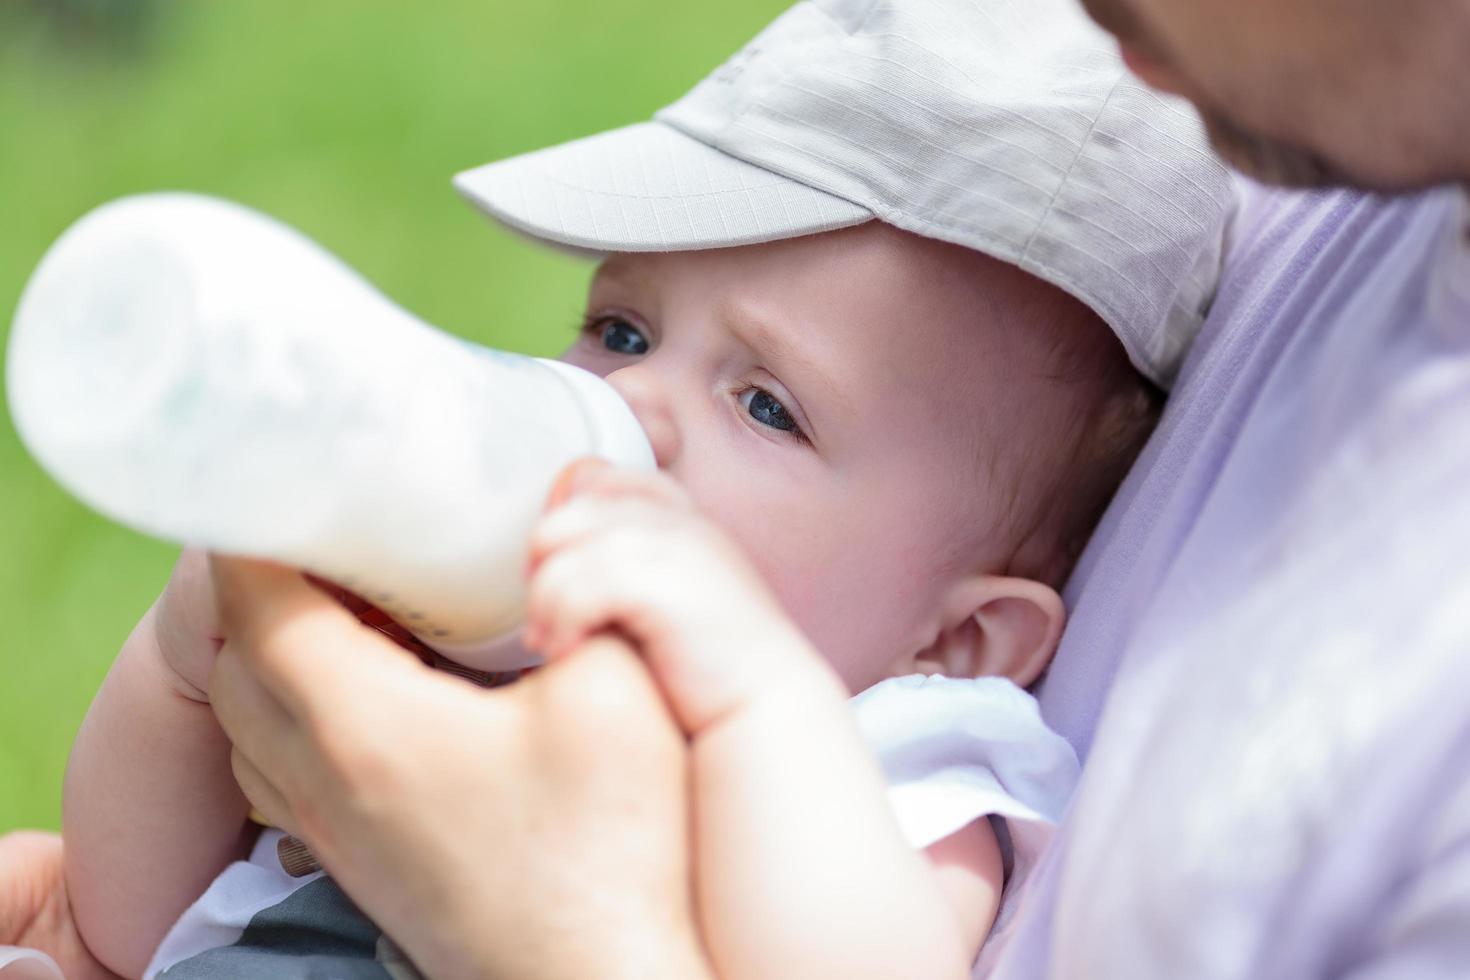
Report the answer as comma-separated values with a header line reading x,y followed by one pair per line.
x,y
850,607
882,595
826,554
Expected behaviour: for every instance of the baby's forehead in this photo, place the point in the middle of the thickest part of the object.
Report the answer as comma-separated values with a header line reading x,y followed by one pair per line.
x,y
902,277
917,312
926,322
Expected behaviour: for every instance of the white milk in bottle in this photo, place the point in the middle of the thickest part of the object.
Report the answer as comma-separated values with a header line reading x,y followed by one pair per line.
x,y
207,375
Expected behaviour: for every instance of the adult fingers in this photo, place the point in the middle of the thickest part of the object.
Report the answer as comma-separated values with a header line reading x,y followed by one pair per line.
x,y
301,645
267,801
259,729
250,715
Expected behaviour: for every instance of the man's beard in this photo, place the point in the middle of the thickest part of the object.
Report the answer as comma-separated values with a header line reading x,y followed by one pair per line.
x,y
1270,160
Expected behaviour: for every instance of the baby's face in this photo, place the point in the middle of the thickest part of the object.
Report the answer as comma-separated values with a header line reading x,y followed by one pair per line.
x,y
837,403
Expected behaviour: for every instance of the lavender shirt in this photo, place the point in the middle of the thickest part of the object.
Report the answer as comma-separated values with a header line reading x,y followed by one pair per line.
x,y
1268,666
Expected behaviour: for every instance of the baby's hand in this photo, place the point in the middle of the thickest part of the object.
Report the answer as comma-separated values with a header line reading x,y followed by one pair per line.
x,y
628,552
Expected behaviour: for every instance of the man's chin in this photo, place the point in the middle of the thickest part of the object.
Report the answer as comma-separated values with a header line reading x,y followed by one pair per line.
x,y
1272,161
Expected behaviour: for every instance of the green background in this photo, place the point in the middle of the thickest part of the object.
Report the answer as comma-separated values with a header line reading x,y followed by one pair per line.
x,y
345,118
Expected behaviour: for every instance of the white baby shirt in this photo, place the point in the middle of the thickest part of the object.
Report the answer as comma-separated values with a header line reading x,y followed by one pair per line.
x,y
955,750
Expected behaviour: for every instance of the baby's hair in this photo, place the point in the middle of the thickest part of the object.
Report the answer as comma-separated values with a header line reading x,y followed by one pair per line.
x,y
1060,486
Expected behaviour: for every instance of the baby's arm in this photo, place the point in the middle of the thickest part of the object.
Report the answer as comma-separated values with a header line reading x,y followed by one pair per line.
x,y
801,868
151,812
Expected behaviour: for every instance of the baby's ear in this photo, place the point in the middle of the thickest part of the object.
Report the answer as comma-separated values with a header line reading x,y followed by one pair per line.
x,y
994,626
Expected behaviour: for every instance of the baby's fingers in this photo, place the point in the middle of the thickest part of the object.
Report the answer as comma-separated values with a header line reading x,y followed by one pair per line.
x,y
573,594
586,518
594,477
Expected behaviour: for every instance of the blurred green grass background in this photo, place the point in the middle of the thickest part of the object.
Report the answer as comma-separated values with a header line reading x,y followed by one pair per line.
x,y
345,118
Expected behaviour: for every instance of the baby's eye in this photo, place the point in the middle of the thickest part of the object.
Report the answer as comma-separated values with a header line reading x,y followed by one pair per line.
x,y
619,336
765,409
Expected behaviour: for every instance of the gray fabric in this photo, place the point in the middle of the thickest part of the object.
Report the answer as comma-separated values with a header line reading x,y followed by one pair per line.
x,y
315,934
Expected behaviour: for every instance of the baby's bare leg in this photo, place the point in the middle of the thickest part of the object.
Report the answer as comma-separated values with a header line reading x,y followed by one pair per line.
x,y
151,811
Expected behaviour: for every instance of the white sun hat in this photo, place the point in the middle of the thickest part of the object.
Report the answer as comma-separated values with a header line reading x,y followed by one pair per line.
x,y
1008,126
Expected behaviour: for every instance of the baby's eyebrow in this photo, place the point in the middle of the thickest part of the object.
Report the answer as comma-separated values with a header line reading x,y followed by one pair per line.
x,y
775,345
621,270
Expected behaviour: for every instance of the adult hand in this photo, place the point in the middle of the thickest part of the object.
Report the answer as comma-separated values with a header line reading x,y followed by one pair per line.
x,y
539,830
34,911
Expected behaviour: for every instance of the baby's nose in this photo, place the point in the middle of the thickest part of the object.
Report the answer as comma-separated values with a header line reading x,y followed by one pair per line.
x,y
641,389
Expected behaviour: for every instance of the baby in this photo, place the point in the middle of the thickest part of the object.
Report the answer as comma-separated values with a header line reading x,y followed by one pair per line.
x,y
909,500
892,294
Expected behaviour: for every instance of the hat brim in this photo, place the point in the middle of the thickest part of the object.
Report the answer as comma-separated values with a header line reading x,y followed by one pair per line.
x,y
650,188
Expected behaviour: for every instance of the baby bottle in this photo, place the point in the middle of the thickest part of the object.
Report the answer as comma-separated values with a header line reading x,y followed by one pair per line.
x,y
206,375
